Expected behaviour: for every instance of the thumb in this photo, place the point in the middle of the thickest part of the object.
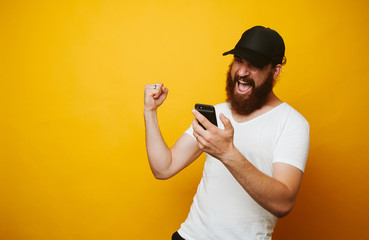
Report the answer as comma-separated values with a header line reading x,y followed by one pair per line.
x,y
165,90
226,122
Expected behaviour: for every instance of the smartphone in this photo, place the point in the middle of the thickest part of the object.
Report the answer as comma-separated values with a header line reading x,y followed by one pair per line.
x,y
208,111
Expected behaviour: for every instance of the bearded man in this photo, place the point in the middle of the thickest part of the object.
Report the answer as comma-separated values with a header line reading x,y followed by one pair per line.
x,y
255,157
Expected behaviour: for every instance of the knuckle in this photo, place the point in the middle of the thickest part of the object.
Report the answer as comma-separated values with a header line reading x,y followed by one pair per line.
x,y
207,138
201,117
212,130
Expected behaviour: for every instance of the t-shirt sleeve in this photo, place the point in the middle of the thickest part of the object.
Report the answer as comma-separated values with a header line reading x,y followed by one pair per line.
x,y
293,145
189,131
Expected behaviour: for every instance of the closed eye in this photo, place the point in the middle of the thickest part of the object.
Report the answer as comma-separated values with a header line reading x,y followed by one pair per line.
x,y
238,59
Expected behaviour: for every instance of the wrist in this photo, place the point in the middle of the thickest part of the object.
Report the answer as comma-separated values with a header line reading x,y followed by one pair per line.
x,y
150,114
231,156
149,110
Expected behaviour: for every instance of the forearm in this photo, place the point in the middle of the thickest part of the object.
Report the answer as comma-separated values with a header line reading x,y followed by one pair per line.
x,y
158,153
267,191
276,194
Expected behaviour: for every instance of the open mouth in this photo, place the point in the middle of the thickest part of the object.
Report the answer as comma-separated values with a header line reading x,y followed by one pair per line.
x,y
244,86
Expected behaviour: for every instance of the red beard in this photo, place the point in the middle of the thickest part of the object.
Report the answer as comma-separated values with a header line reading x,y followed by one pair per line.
x,y
254,100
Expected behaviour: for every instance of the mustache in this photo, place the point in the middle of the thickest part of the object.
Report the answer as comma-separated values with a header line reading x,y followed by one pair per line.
x,y
245,79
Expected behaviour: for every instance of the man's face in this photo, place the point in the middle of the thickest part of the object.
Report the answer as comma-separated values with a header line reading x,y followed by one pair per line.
x,y
248,87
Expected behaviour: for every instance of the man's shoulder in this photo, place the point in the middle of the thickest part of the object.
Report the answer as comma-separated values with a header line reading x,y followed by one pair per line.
x,y
293,115
222,106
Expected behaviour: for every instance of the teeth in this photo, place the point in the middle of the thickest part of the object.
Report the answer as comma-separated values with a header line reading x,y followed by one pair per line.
x,y
240,81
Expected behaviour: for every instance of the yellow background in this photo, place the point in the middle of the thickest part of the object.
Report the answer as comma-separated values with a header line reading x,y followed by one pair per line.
x,y
73,162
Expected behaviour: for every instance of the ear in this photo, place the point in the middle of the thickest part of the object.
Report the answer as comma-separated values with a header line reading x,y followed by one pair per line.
x,y
277,70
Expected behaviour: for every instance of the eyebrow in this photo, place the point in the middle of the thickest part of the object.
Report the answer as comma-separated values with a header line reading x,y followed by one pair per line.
x,y
248,62
238,58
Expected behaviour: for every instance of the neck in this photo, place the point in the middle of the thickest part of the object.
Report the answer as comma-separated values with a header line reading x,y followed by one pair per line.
x,y
272,102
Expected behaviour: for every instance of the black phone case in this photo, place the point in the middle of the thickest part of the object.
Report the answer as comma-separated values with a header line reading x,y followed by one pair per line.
x,y
208,111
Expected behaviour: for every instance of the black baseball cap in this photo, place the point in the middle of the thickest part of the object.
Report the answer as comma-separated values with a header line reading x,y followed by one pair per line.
x,y
260,46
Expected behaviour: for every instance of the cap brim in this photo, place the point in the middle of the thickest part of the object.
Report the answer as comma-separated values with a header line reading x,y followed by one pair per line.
x,y
252,57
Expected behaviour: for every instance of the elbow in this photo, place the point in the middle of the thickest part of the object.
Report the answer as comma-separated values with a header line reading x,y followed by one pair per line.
x,y
161,175
281,214
283,210
160,172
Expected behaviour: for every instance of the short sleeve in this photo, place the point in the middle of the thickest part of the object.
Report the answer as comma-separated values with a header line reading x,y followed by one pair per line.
x,y
293,145
189,131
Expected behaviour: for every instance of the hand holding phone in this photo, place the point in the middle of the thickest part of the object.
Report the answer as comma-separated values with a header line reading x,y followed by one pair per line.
x,y
207,111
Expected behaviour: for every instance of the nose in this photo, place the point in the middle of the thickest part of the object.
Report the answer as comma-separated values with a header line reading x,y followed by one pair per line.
x,y
243,70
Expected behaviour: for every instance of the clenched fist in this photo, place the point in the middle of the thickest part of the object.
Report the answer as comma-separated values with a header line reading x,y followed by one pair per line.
x,y
155,95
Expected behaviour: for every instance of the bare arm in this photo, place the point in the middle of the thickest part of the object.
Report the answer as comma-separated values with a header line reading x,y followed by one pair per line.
x,y
276,194
165,162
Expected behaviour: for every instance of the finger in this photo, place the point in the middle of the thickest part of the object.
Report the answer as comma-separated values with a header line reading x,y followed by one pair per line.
x,y
150,91
162,87
203,120
199,138
196,135
165,91
152,87
226,122
157,85
157,90
197,128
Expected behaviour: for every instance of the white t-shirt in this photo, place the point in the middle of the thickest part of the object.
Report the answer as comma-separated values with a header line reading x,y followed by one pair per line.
x,y
221,208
